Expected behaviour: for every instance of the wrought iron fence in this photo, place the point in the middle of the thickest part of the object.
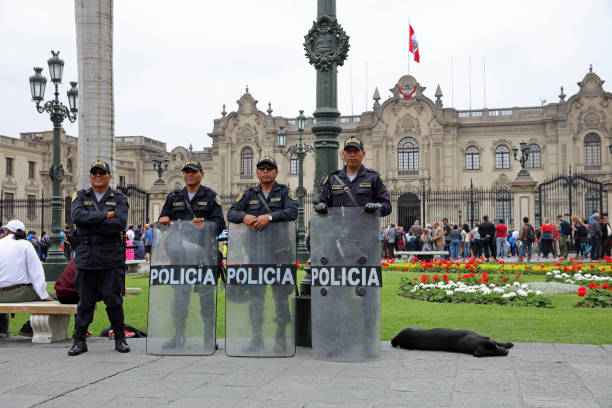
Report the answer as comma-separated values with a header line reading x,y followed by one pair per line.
x,y
35,213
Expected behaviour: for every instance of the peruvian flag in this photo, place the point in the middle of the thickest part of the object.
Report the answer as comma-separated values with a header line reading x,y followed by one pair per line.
x,y
414,45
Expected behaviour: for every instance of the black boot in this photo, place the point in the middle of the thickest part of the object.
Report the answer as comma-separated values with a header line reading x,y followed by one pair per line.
x,y
80,345
120,343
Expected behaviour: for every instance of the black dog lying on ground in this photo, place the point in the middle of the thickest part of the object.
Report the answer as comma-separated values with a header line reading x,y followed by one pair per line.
x,y
458,341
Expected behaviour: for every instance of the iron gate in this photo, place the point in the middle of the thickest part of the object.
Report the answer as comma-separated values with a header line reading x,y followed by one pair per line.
x,y
139,204
567,195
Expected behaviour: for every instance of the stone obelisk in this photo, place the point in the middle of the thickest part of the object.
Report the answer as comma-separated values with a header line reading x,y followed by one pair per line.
x,y
94,33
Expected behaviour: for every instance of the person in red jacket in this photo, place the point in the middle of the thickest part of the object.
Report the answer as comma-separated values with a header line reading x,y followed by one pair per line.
x,y
64,286
501,233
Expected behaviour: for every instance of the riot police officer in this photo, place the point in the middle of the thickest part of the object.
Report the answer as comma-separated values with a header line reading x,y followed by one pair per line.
x,y
257,207
100,214
354,185
200,206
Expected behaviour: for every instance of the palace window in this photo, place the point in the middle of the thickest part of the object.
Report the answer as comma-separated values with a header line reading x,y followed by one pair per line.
x,y
293,164
534,160
246,161
472,158
9,166
408,154
31,170
592,150
502,157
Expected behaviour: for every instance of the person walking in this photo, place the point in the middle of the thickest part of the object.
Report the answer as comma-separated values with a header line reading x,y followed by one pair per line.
x,y
455,245
526,236
100,214
501,231
465,240
596,237
565,232
546,238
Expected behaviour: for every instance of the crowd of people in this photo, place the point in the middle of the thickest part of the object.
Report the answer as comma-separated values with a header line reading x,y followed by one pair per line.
x,y
588,238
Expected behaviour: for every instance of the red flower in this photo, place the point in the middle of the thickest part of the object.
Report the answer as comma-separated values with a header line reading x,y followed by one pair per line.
x,y
592,266
504,278
406,268
522,259
415,278
592,285
436,277
561,259
605,286
518,276
582,291
445,276
297,264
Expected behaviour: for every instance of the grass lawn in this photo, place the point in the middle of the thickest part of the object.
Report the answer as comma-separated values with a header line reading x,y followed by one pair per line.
x,y
562,324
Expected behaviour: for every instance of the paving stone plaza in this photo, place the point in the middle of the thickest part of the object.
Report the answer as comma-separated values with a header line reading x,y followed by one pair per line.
x,y
532,375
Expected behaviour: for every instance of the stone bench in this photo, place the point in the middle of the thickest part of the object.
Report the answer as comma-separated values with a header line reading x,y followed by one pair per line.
x,y
408,255
49,320
133,266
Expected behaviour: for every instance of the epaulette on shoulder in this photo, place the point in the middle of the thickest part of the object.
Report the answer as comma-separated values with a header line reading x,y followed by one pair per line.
x,y
82,191
119,193
177,191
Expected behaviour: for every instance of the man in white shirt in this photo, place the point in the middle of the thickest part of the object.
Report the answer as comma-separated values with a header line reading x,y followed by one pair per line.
x,y
130,233
22,278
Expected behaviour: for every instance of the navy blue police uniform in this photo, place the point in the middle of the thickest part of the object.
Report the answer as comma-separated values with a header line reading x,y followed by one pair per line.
x,y
366,190
283,206
99,254
204,204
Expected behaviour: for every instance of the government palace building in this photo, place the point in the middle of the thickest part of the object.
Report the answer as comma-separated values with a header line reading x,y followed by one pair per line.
x,y
435,161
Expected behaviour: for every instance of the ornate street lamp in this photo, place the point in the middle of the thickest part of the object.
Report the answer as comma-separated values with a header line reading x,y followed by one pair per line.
x,y
56,262
157,166
525,150
300,150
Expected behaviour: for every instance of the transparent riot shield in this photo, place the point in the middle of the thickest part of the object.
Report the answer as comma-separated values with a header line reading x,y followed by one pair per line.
x,y
260,291
346,282
183,290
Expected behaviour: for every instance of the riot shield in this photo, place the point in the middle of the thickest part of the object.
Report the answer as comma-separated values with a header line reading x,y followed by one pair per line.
x,y
346,282
259,291
183,290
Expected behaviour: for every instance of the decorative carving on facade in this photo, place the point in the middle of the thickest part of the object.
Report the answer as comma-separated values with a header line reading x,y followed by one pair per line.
x,y
326,43
408,124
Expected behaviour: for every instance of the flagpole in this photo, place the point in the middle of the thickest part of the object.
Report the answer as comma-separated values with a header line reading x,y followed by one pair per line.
x,y
453,82
408,45
470,73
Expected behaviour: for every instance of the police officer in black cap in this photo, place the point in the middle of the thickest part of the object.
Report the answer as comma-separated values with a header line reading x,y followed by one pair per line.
x,y
200,206
257,207
100,214
354,185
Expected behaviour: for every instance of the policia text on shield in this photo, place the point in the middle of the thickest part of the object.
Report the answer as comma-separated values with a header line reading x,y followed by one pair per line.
x,y
261,260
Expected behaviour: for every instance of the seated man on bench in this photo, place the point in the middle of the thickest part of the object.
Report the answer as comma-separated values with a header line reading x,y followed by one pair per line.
x,y
22,278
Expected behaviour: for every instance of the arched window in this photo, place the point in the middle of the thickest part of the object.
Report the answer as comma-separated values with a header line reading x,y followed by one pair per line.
x,y
502,157
592,199
69,165
592,150
534,160
293,168
472,158
502,205
246,161
408,154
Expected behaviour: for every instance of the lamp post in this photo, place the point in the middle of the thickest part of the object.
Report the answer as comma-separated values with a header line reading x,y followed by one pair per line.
x,y
525,150
300,150
157,166
56,262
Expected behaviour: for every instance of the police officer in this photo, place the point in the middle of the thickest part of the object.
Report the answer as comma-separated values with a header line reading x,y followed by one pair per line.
x,y
354,185
200,206
257,207
100,214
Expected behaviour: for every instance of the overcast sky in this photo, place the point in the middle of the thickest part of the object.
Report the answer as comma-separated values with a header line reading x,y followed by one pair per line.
x,y
176,63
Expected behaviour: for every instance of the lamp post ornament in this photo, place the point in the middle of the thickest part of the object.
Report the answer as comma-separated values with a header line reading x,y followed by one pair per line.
x,y
157,166
56,262
300,150
525,150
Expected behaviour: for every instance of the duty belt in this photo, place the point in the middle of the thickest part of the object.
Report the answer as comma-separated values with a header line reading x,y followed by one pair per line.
x,y
97,239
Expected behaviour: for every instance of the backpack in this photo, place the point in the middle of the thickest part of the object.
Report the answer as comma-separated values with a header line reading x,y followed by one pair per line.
x,y
530,234
582,231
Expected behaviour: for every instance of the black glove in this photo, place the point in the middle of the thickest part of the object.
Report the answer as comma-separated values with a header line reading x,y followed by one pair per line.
x,y
372,207
321,208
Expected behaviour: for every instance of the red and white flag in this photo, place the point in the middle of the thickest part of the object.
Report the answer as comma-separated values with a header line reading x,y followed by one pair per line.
x,y
414,45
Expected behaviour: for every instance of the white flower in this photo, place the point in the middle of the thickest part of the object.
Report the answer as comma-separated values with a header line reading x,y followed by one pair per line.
x,y
509,295
516,284
521,292
538,292
449,292
549,273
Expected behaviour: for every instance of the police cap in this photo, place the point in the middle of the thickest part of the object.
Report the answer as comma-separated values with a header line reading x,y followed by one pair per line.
x,y
100,164
353,141
269,160
193,165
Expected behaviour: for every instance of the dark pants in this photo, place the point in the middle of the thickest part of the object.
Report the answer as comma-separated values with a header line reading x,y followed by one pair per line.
x,y
180,308
547,247
92,285
605,248
595,248
476,247
68,252
492,248
281,303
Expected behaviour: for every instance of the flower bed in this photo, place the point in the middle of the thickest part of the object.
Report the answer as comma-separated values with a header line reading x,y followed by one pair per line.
x,y
478,265
472,289
558,276
595,295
